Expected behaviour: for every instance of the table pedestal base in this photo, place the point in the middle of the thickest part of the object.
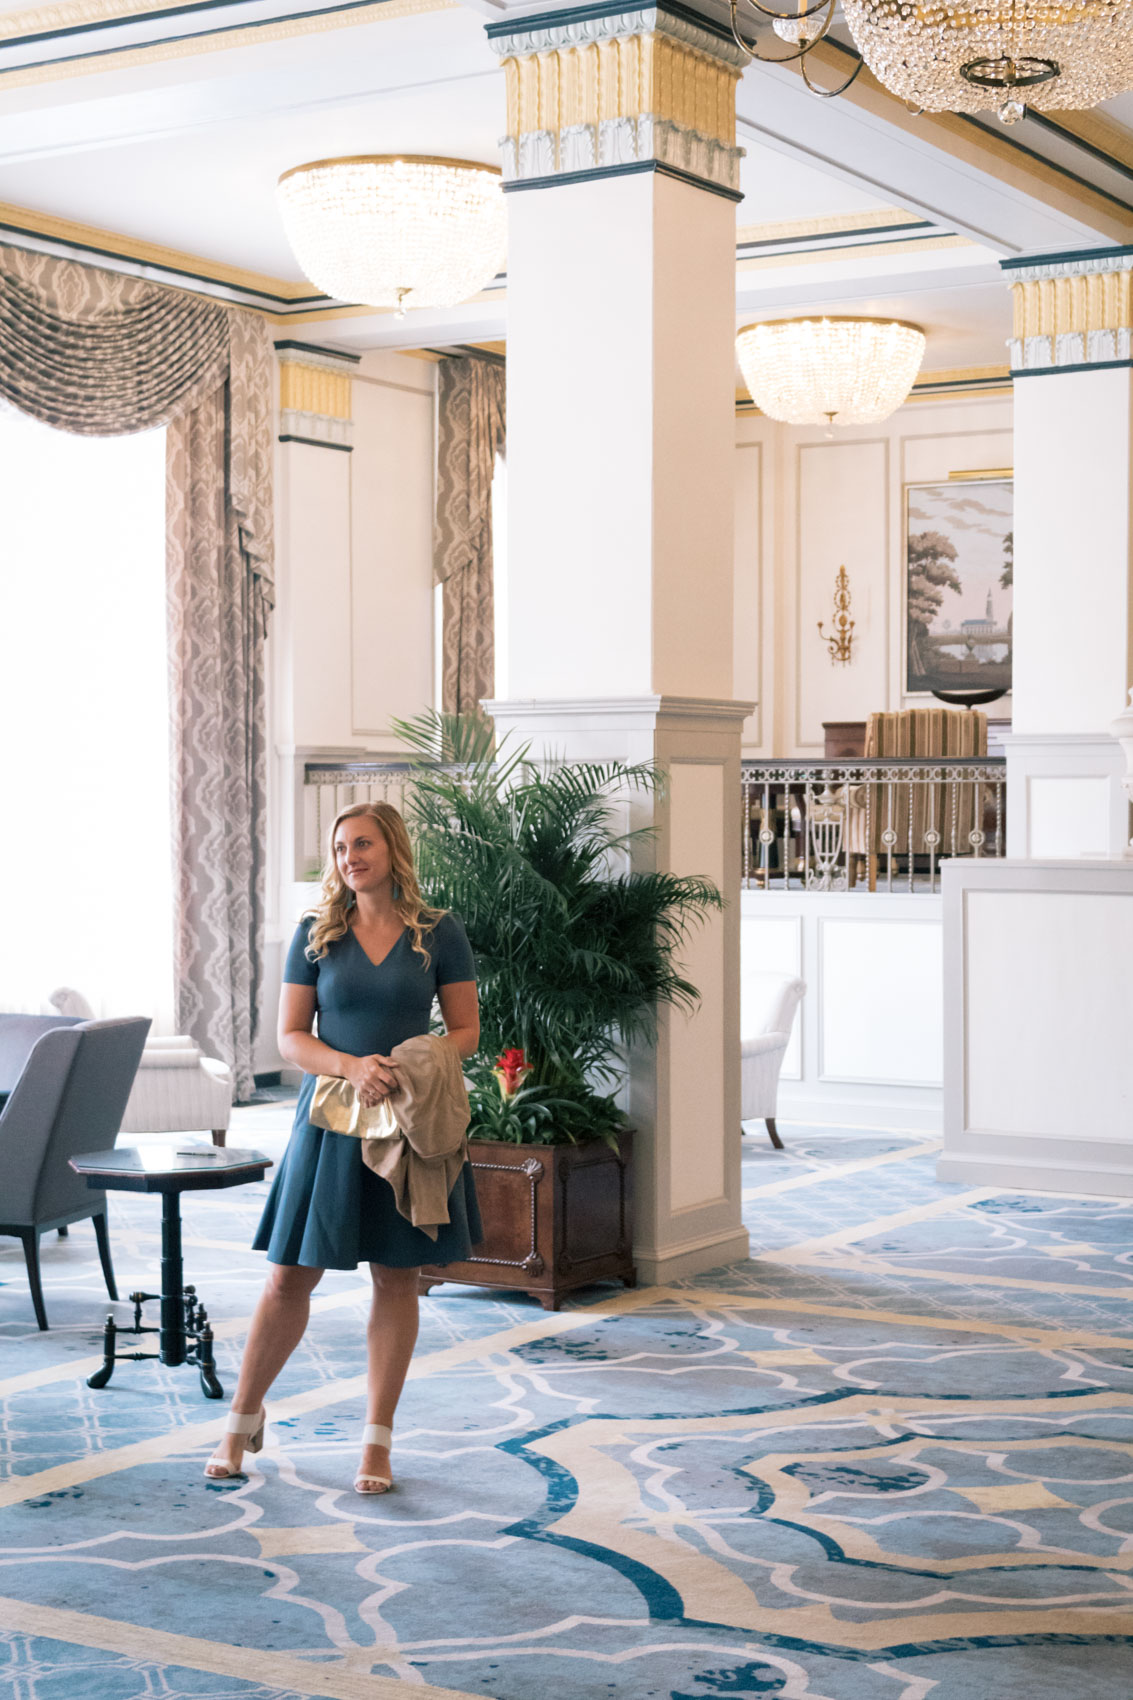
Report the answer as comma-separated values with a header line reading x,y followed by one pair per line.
x,y
185,1334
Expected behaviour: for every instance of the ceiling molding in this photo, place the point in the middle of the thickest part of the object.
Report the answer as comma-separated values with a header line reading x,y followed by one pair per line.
x,y
347,14
837,224
822,254
22,228
968,141
72,17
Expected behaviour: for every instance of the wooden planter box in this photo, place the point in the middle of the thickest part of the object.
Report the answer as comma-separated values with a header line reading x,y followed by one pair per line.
x,y
556,1217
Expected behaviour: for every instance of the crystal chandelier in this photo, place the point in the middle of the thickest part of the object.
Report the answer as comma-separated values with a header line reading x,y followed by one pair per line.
x,y
395,230
966,55
837,371
943,56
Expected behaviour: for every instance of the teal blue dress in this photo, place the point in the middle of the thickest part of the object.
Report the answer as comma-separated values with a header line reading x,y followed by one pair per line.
x,y
326,1208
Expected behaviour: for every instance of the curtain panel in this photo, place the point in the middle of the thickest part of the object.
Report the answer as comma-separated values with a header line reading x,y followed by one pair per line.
x,y
100,354
470,433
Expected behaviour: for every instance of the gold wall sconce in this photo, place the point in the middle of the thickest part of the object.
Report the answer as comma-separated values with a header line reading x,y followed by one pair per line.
x,y
840,641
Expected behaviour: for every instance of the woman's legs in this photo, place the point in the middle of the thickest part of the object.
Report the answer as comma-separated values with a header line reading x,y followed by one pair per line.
x,y
277,1328
391,1335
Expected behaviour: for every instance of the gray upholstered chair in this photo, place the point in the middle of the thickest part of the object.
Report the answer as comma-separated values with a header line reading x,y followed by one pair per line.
x,y
67,1098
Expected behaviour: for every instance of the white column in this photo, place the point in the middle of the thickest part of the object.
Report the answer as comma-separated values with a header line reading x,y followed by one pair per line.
x,y
1073,619
309,685
621,316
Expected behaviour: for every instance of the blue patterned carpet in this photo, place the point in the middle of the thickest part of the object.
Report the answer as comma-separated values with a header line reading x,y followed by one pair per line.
x,y
887,1458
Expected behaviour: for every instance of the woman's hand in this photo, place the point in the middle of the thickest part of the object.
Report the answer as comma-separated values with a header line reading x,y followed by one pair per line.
x,y
373,1077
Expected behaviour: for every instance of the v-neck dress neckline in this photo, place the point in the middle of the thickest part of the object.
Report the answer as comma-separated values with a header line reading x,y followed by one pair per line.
x,y
382,962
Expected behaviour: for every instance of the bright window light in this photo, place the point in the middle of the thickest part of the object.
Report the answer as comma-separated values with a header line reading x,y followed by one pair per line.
x,y
499,575
85,859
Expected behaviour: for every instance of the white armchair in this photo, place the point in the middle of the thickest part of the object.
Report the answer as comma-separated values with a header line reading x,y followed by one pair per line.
x,y
176,1089
767,1015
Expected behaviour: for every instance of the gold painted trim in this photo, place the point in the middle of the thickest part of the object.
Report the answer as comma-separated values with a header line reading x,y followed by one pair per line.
x,y
392,159
42,20
1077,302
216,41
840,224
978,476
1092,128
111,244
312,389
626,76
964,375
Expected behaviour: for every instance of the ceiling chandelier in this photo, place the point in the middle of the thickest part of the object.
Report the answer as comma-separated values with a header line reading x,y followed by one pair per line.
x,y
967,55
832,371
395,230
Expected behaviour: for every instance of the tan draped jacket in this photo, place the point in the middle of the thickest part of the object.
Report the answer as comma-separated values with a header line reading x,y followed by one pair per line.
x,y
417,1138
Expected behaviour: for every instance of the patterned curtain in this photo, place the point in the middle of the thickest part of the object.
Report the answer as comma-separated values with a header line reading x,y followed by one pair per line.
x,y
99,354
470,434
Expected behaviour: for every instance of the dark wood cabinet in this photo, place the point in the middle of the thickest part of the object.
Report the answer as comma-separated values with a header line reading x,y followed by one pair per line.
x,y
556,1217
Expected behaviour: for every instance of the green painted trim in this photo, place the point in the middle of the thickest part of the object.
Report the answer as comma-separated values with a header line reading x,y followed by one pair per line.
x,y
632,168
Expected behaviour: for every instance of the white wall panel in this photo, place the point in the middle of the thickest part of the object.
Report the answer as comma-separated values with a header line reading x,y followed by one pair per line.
x,y
1038,1013
881,1008
392,546
1067,815
1050,996
843,521
828,501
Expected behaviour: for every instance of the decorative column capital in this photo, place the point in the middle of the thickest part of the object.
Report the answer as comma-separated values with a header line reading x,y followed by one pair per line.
x,y
315,396
608,89
1073,312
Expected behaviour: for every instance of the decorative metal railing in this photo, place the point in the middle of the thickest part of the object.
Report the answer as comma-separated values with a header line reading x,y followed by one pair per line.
x,y
832,826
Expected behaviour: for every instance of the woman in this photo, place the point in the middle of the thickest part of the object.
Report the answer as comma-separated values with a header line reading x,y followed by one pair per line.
x,y
368,961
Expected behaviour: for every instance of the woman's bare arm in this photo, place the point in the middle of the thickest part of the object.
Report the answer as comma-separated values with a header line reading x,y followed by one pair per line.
x,y
460,1011
370,1076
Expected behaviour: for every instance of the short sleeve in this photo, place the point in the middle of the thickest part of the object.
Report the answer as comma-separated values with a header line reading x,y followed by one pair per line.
x,y
299,970
452,953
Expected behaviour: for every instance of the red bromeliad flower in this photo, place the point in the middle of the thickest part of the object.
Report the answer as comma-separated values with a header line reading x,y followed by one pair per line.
x,y
511,1071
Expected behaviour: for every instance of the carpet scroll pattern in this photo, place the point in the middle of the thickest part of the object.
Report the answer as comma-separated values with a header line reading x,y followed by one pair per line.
x,y
888,1458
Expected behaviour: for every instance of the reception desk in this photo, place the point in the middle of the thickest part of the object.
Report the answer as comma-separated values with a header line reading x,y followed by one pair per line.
x,y
1038,1024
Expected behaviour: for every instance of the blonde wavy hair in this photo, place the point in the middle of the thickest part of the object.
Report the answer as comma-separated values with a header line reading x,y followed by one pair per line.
x,y
331,914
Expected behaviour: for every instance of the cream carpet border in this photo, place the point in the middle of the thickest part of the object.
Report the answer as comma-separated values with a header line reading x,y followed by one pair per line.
x,y
248,1664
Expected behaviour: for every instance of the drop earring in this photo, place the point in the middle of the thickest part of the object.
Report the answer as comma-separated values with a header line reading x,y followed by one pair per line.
x,y
396,892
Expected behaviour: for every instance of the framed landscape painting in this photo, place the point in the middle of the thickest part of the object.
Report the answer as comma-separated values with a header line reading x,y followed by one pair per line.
x,y
958,584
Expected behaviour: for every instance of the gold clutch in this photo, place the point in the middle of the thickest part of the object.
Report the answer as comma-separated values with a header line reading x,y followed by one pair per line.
x,y
336,1106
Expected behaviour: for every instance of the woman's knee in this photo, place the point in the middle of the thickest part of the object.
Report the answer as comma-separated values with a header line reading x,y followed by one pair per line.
x,y
292,1282
393,1283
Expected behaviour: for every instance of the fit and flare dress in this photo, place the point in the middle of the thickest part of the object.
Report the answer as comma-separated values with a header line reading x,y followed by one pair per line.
x,y
326,1209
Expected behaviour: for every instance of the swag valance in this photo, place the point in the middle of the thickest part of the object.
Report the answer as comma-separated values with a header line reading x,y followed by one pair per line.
x,y
99,354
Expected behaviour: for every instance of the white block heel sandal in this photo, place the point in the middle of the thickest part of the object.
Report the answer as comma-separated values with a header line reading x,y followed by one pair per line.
x,y
252,1428
375,1434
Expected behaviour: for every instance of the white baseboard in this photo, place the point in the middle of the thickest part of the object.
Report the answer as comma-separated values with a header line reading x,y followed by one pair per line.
x,y
1024,1174
925,1115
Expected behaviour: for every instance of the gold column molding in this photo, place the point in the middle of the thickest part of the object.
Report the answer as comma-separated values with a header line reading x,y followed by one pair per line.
x,y
315,395
312,389
598,94
641,76
1077,311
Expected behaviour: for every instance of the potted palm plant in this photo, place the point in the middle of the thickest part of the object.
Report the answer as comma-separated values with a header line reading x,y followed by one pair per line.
x,y
576,951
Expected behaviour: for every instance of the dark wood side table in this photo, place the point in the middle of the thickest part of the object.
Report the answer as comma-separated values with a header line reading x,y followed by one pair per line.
x,y
184,1335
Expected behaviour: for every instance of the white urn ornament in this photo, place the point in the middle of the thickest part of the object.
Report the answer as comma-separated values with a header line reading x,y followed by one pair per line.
x,y
1122,729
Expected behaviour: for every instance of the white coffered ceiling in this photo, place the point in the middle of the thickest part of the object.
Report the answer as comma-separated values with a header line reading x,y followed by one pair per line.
x,y
165,126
